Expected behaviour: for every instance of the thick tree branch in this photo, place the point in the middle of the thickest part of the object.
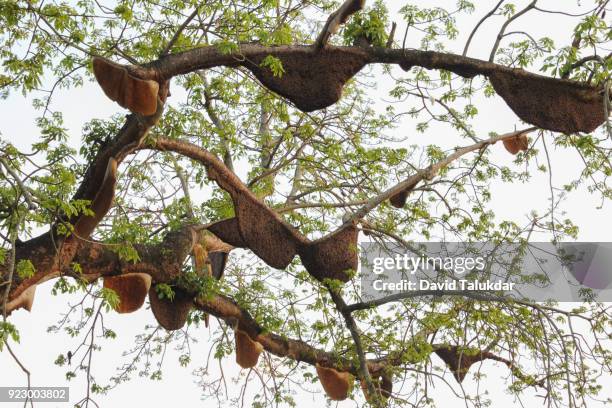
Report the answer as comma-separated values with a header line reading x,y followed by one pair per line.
x,y
315,79
51,252
163,263
336,19
44,256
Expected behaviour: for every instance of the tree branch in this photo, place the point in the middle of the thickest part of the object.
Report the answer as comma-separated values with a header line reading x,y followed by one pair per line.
x,y
178,32
336,19
163,262
428,173
489,14
24,190
364,373
329,69
500,35
50,252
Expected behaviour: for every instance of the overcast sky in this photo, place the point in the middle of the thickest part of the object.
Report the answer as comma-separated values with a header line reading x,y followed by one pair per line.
x,y
38,349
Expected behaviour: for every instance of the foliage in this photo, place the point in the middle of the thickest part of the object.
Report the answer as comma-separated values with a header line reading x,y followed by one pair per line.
x,y
313,169
369,24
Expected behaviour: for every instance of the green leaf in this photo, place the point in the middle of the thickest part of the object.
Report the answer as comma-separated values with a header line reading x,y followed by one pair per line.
x,y
274,64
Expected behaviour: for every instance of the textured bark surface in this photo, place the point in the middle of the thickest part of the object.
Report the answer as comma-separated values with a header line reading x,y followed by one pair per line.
x,y
101,203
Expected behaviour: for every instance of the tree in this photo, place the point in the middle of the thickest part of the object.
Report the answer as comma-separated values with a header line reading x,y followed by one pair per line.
x,y
271,145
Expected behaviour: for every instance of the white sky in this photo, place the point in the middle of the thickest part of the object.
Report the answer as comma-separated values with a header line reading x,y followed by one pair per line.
x,y
38,349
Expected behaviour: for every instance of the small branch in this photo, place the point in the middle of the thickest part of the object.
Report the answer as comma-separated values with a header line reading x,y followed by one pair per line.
x,y
356,335
25,371
210,110
178,32
297,180
336,19
288,207
428,173
500,35
566,73
489,14
184,185
26,194
389,43
482,296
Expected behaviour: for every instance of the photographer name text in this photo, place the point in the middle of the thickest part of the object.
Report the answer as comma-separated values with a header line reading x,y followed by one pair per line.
x,y
424,284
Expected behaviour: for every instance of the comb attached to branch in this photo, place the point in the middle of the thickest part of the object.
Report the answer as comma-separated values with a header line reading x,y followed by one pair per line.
x,y
311,79
247,349
336,384
218,252
262,230
137,95
549,103
24,301
273,240
132,289
459,362
171,314
227,231
331,257
516,144
399,200
210,259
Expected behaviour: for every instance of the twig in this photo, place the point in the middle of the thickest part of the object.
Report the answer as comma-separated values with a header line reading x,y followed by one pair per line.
x,y
25,370
500,35
391,35
178,32
356,335
26,194
482,20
